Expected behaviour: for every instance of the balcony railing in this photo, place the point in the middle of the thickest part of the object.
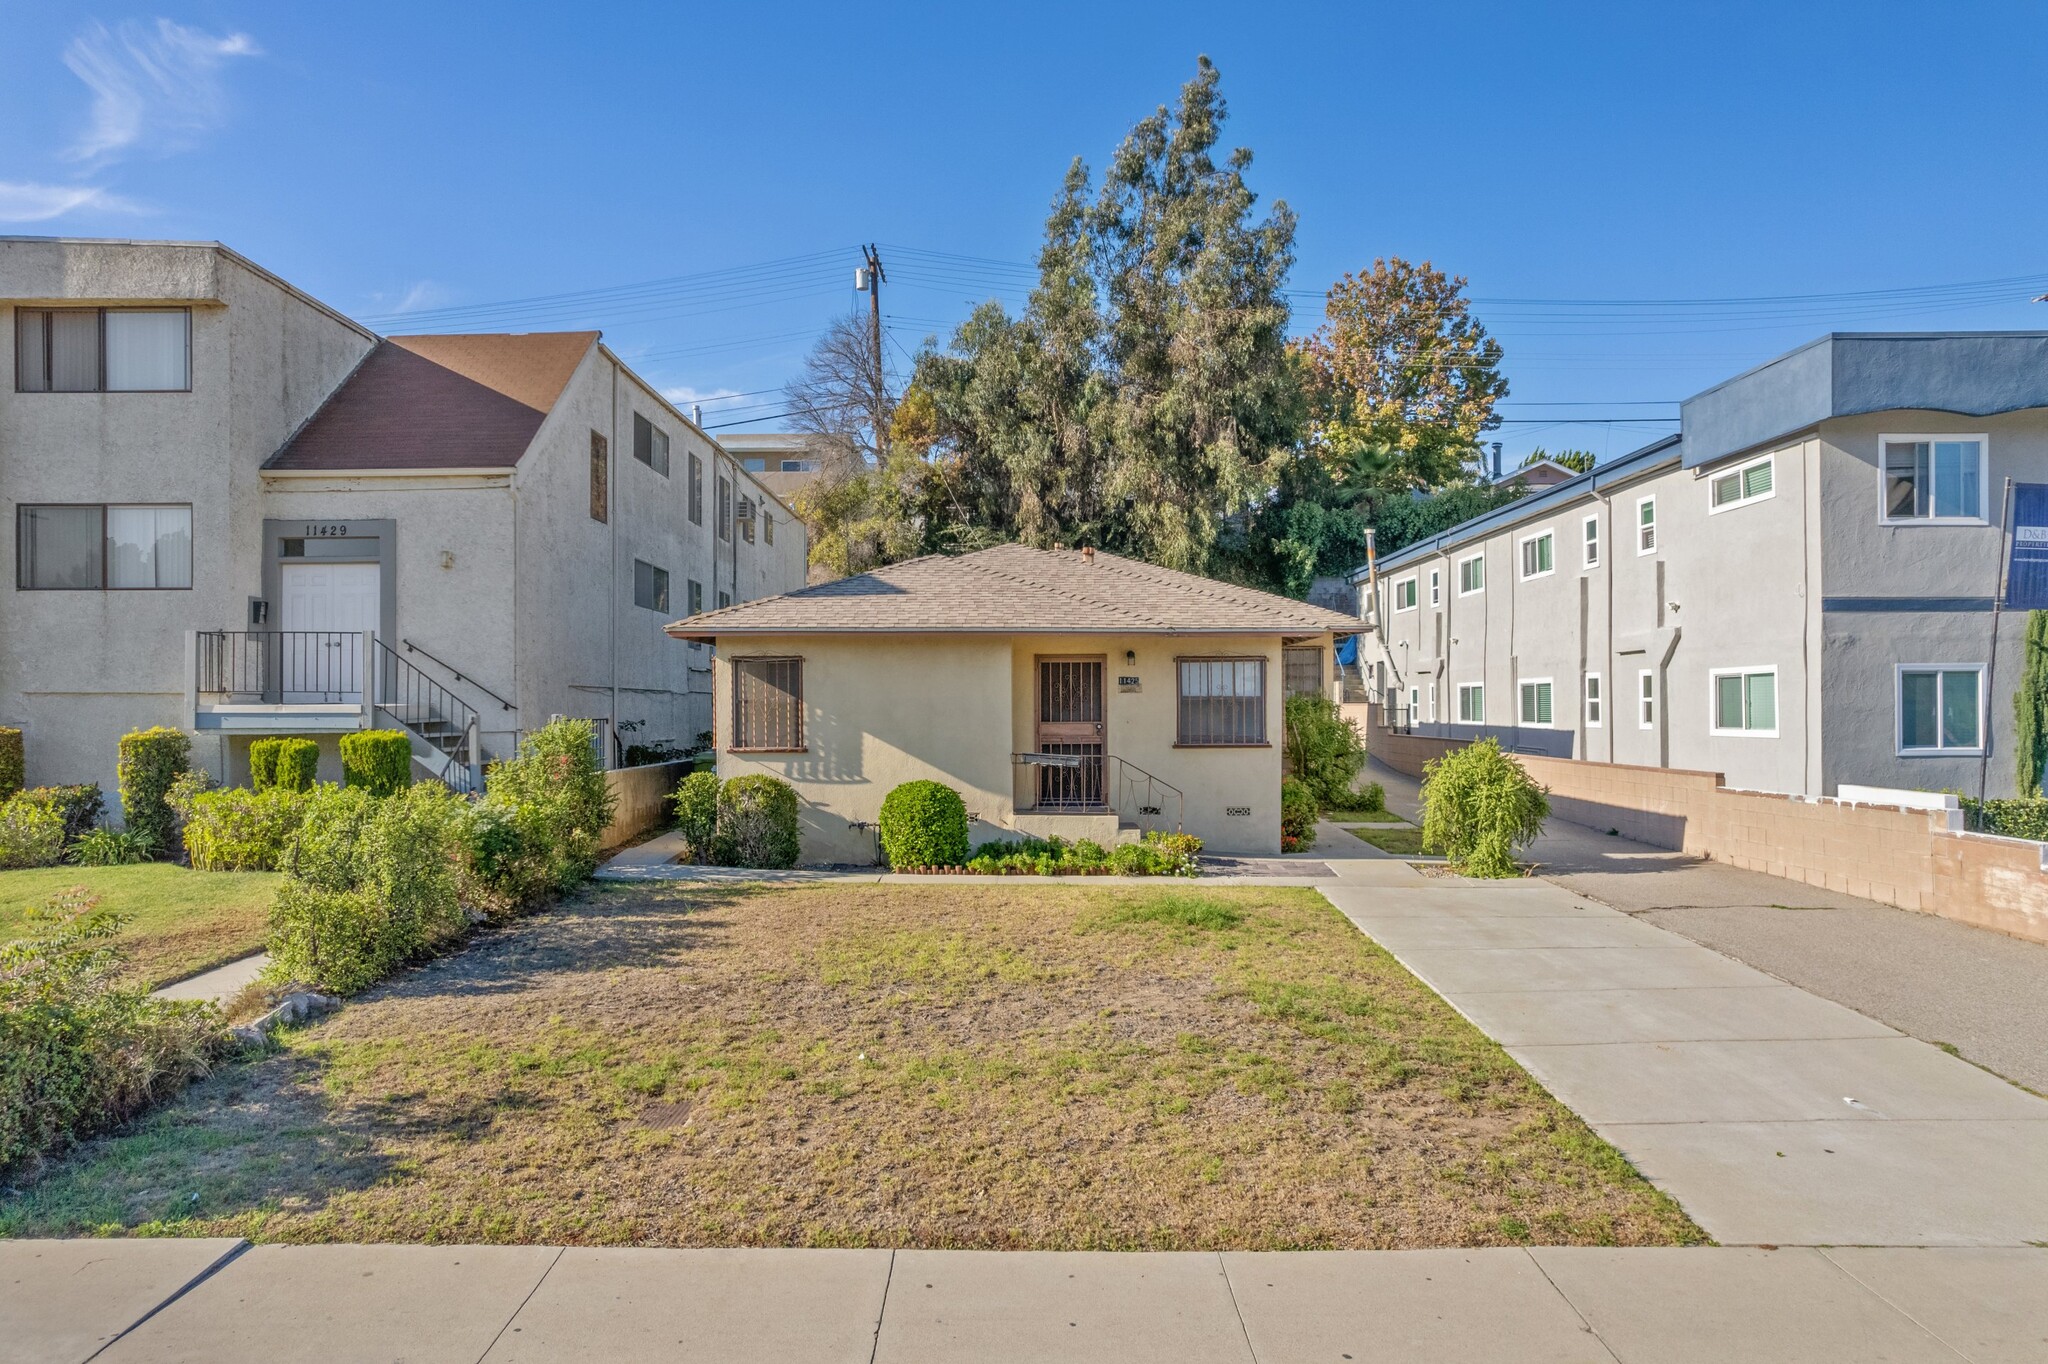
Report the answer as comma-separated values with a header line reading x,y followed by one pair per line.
x,y
281,667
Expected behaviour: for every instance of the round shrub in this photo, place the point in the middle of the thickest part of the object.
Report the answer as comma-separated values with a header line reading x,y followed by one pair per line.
x,y
150,760
1478,806
1297,815
757,823
13,763
377,760
924,824
696,802
31,835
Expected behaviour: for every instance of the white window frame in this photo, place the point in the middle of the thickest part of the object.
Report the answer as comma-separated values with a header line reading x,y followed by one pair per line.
x,y
1589,545
1595,701
1646,698
1714,675
1414,704
1436,587
1480,559
1522,682
1983,480
1524,576
1899,672
1651,503
1467,689
1737,471
1432,701
1398,584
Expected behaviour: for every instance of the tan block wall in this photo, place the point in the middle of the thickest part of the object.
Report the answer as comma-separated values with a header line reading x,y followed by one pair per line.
x,y
643,793
1908,858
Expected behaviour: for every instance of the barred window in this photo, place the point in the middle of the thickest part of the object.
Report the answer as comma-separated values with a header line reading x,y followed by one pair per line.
x,y
1302,671
1222,701
768,705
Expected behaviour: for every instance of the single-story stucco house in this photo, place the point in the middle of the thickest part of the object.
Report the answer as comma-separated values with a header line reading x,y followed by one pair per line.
x,y
1060,692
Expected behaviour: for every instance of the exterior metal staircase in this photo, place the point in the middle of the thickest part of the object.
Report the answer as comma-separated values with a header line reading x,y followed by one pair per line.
x,y
442,726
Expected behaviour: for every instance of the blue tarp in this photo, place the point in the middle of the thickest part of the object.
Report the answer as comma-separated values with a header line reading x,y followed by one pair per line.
x,y
1347,649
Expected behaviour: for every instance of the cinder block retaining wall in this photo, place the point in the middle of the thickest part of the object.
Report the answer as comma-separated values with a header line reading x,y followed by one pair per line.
x,y
642,793
1908,858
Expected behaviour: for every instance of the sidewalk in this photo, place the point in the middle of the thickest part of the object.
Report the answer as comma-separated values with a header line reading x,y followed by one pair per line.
x,y
125,1302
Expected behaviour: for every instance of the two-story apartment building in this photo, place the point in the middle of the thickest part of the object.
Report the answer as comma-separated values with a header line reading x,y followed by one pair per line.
x,y
1796,590
233,510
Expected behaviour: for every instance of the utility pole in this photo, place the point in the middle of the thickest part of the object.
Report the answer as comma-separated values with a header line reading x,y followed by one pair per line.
x,y
874,278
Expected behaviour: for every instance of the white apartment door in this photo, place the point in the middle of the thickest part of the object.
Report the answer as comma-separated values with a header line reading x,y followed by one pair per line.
x,y
326,609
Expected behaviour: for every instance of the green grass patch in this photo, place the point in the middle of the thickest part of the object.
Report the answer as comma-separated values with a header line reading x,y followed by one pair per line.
x,y
180,921
1404,842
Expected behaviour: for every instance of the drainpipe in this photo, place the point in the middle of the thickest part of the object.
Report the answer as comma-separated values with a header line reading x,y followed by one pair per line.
x,y
611,521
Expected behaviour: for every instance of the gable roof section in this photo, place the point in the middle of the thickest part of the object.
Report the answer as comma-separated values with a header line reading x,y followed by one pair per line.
x,y
1014,589
439,402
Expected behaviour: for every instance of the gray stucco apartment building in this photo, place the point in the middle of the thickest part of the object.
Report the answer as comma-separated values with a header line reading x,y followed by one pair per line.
x,y
230,509
1795,591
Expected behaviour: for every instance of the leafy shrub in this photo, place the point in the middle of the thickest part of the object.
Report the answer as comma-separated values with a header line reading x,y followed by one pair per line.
x,y
291,763
1135,859
757,823
696,802
924,824
377,760
2012,818
110,848
13,762
1478,806
1179,854
561,802
31,835
647,754
492,860
1298,809
1323,748
78,1051
236,829
150,760
78,806
263,763
370,884
1087,853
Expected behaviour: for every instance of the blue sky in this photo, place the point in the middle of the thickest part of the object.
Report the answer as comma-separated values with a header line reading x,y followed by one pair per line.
x,y
1605,176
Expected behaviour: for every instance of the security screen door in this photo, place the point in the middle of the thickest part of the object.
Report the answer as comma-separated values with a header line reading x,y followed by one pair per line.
x,y
1070,722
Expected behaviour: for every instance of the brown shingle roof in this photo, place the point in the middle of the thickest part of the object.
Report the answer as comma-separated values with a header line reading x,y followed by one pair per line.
x,y
439,402
1013,589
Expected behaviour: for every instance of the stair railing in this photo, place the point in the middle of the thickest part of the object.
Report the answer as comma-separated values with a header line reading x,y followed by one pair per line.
x,y
1139,791
430,712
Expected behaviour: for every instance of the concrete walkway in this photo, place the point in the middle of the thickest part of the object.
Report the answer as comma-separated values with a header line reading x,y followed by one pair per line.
x,y
221,984
127,1302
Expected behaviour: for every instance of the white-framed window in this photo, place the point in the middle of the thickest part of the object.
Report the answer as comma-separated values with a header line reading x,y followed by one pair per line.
x,y
1941,709
1432,703
1646,699
1471,703
1932,480
1646,525
1414,704
1404,593
1471,574
1595,702
1436,587
1589,540
1538,554
1752,481
1536,702
1745,701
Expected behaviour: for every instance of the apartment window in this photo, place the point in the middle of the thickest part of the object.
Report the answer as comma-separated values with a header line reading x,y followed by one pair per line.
x,y
1404,594
1751,482
1934,478
1539,554
1591,541
1471,575
96,548
1301,671
1594,701
1471,703
724,600
798,466
724,507
768,705
696,491
1536,708
1745,701
767,526
755,464
1436,587
1414,704
1222,702
1646,699
1646,525
102,350
1941,710
600,478
696,591
650,586
1432,703
746,518
650,445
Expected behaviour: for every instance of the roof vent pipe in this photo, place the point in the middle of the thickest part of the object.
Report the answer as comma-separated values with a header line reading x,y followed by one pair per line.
x,y
1496,461
697,413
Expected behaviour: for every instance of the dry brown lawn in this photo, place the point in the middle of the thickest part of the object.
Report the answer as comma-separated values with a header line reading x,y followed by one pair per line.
x,y
959,1065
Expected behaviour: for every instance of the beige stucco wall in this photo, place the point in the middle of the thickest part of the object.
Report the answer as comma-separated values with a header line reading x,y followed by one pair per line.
x,y
883,710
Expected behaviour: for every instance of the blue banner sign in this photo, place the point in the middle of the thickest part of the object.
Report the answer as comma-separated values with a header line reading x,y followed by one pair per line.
x,y
2027,573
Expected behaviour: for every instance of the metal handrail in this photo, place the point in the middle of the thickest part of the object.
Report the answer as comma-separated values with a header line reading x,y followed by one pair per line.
x,y
266,665
428,710
1128,774
413,648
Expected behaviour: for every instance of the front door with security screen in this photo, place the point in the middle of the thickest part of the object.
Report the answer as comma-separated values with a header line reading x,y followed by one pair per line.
x,y
1071,722
327,607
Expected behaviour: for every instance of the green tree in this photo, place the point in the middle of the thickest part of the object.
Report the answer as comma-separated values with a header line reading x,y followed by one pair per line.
x,y
2030,708
1578,461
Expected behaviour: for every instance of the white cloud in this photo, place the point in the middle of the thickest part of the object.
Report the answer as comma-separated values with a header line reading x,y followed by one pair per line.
x,y
156,87
23,202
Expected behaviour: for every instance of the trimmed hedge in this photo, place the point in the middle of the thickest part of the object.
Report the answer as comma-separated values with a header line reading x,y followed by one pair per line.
x,y
696,802
78,806
31,835
291,763
2024,818
13,762
757,823
235,829
150,760
924,824
377,760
